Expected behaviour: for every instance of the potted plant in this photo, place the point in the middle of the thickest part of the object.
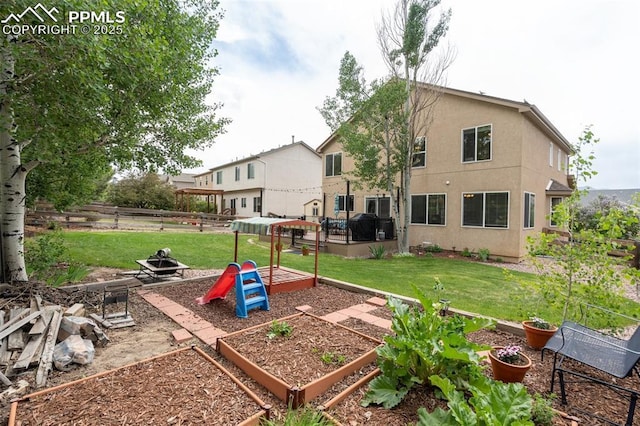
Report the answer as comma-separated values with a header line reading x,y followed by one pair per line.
x,y
538,331
508,363
305,250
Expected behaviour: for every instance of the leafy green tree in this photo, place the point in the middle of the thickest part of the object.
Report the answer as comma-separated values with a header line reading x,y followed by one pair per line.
x,y
590,216
75,104
582,269
142,191
378,123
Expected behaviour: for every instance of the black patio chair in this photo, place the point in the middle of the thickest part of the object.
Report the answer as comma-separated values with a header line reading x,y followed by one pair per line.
x,y
614,356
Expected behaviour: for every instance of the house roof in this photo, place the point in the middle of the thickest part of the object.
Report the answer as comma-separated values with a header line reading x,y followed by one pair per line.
x,y
182,177
625,196
265,153
530,111
556,188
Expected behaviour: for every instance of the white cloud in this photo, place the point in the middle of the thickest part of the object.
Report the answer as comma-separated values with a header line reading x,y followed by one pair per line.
x,y
575,60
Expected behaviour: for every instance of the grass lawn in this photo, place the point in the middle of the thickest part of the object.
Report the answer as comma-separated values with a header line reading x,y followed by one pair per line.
x,y
469,286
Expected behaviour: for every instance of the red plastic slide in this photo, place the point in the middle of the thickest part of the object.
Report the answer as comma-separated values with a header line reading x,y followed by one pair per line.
x,y
222,286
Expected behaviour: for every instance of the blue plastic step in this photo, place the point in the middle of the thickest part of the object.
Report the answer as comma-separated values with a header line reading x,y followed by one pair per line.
x,y
250,290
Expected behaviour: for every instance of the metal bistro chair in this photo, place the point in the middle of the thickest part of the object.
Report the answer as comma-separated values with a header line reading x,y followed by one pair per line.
x,y
606,353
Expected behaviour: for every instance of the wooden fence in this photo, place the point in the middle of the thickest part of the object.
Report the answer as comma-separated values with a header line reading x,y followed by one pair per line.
x,y
102,216
627,247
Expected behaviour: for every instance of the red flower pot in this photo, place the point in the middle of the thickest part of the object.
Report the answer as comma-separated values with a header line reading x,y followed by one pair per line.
x,y
537,337
508,373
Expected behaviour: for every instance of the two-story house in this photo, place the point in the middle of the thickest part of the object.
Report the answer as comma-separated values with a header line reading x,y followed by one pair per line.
x,y
485,176
277,182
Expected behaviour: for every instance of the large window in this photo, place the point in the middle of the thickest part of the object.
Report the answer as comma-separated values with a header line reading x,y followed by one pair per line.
x,y
219,177
333,164
419,152
476,144
341,203
529,209
243,202
430,209
380,206
237,172
257,204
251,171
555,202
485,209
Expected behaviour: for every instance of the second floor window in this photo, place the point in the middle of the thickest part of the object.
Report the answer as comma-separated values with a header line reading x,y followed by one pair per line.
x,y
237,174
219,177
333,164
419,152
251,171
476,144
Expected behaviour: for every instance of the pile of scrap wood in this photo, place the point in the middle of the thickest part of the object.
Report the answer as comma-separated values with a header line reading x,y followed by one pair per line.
x,y
28,337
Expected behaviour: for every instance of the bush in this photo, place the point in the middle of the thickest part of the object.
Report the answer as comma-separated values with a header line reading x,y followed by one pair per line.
x,y
377,252
483,254
433,249
542,412
465,252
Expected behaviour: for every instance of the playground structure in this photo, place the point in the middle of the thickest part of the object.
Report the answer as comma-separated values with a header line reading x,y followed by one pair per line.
x,y
250,291
278,279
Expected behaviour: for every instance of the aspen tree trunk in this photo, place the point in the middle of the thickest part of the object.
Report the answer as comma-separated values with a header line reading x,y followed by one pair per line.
x,y
12,175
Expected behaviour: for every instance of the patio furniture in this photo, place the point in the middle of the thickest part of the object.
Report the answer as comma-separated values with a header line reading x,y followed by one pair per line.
x,y
614,356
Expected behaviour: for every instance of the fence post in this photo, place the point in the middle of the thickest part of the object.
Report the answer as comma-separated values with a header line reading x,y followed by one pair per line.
x,y
115,218
201,221
68,221
162,220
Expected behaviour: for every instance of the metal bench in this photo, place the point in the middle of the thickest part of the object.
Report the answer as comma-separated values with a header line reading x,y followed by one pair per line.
x,y
614,356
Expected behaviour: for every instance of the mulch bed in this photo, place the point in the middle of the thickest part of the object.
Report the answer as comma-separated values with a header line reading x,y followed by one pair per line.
x,y
181,388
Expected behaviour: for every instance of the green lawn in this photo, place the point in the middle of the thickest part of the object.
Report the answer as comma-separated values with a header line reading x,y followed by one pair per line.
x,y
470,286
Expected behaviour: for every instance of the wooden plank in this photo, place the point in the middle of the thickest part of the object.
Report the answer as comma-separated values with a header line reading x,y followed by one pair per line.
x,y
19,324
31,348
103,322
43,322
46,359
15,319
77,310
4,360
5,380
16,338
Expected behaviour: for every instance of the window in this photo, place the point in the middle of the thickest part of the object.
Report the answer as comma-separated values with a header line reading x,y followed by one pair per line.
x,y
555,202
219,177
333,164
257,204
251,171
380,206
315,211
419,152
559,159
476,144
206,181
243,202
341,203
485,209
237,174
529,209
430,209
550,154
233,203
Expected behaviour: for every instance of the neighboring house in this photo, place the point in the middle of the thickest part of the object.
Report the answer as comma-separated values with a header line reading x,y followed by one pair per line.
x,y
181,181
273,183
313,210
485,176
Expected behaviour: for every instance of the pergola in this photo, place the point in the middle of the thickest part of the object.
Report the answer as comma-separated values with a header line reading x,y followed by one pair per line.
x,y
275,227
180,193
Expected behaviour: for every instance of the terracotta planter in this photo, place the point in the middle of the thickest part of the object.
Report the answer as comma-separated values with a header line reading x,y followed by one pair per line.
x,y
305,251
508,373
537,337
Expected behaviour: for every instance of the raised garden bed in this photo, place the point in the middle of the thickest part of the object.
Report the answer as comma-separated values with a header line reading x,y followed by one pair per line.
x,y
317,354
181,387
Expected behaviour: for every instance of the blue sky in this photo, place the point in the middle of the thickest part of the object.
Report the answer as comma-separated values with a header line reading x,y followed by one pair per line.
x,y
575,60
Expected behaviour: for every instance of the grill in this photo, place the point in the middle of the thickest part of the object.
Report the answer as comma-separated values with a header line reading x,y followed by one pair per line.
x,y
162,259
363,227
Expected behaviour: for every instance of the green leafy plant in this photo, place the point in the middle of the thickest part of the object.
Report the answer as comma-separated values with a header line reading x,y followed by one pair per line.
x,y
424,343
433,248
279,329
304,416
483,254
509,354
377,252
492,403
542,412
47,258
540,323
333,358
465,252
